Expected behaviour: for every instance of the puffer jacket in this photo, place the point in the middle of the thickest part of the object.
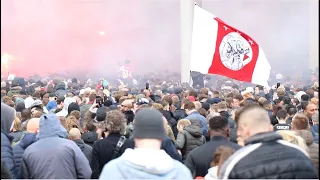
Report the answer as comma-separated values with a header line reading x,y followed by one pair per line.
x,y
267,156
60,89
16,136
19,149
313,147
190,138
6,152
7,116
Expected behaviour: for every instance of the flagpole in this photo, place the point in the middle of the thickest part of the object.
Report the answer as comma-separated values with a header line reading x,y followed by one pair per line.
x,y
186,22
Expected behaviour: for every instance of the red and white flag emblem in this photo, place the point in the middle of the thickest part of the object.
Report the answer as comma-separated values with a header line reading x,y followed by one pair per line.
x,y
218,48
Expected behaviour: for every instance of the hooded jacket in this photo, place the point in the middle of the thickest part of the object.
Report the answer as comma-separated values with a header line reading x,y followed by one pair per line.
x,y
53,156
90,137
145,164
19,149
313,147
86,149
190,138
7,116
267,156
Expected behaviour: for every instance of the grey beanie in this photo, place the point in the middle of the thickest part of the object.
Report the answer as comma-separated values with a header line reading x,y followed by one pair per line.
x,y
149,124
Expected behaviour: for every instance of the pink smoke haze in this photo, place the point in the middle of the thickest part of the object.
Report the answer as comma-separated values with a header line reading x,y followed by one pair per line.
x,y
92,37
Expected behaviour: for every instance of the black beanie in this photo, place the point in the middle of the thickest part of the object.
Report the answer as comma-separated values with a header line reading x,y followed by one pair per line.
x,y
149,124
101,114
73,107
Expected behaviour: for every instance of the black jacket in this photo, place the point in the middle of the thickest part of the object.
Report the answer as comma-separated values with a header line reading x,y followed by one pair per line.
x,y
199,159
171,121
167,145
129,115
267,156
179,114
102,153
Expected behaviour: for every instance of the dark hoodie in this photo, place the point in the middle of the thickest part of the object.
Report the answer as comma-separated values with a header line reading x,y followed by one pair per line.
x,y
190,138
171,121
90,137
19,149
7,116
86,149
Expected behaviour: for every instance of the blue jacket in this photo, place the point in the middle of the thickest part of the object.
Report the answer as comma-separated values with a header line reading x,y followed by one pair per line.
x,y
19,149
203,121
52,156
6,152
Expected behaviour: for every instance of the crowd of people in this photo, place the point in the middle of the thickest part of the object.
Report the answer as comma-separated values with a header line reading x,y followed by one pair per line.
x,y
69,129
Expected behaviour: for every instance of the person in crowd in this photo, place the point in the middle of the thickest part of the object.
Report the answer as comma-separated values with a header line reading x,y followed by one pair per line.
x,y
103,150
198,160
315,122
192,113
180,113
53,156
300,124
75,136
291,112
16,132
27,139
189,136
90,136
147,160
7,117
257,160
294,138
310,110
64,112
281,117
219,157
126,108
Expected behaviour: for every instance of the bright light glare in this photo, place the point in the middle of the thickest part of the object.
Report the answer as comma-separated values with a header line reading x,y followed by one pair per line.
x,y
101,33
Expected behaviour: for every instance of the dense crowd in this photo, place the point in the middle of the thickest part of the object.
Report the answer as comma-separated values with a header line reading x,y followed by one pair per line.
x,y
70,129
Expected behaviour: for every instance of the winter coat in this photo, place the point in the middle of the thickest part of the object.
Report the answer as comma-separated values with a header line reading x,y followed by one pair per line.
x,y
86,149
199,159
267,156
102,153
19,149
90,137
190,138
203,121
7,116
53,156
171,121
5,173
179,114
145,164
313,147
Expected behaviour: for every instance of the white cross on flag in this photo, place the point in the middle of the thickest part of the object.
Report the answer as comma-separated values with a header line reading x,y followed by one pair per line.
x,y
218,48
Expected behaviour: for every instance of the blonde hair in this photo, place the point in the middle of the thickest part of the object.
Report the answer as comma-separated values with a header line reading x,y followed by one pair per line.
x,y
197,105
292,137
183,123
16,124
157,106
72,122
315,101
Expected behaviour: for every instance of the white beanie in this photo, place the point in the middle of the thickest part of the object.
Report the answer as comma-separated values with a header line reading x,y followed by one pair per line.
x,y
28,102
299,94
